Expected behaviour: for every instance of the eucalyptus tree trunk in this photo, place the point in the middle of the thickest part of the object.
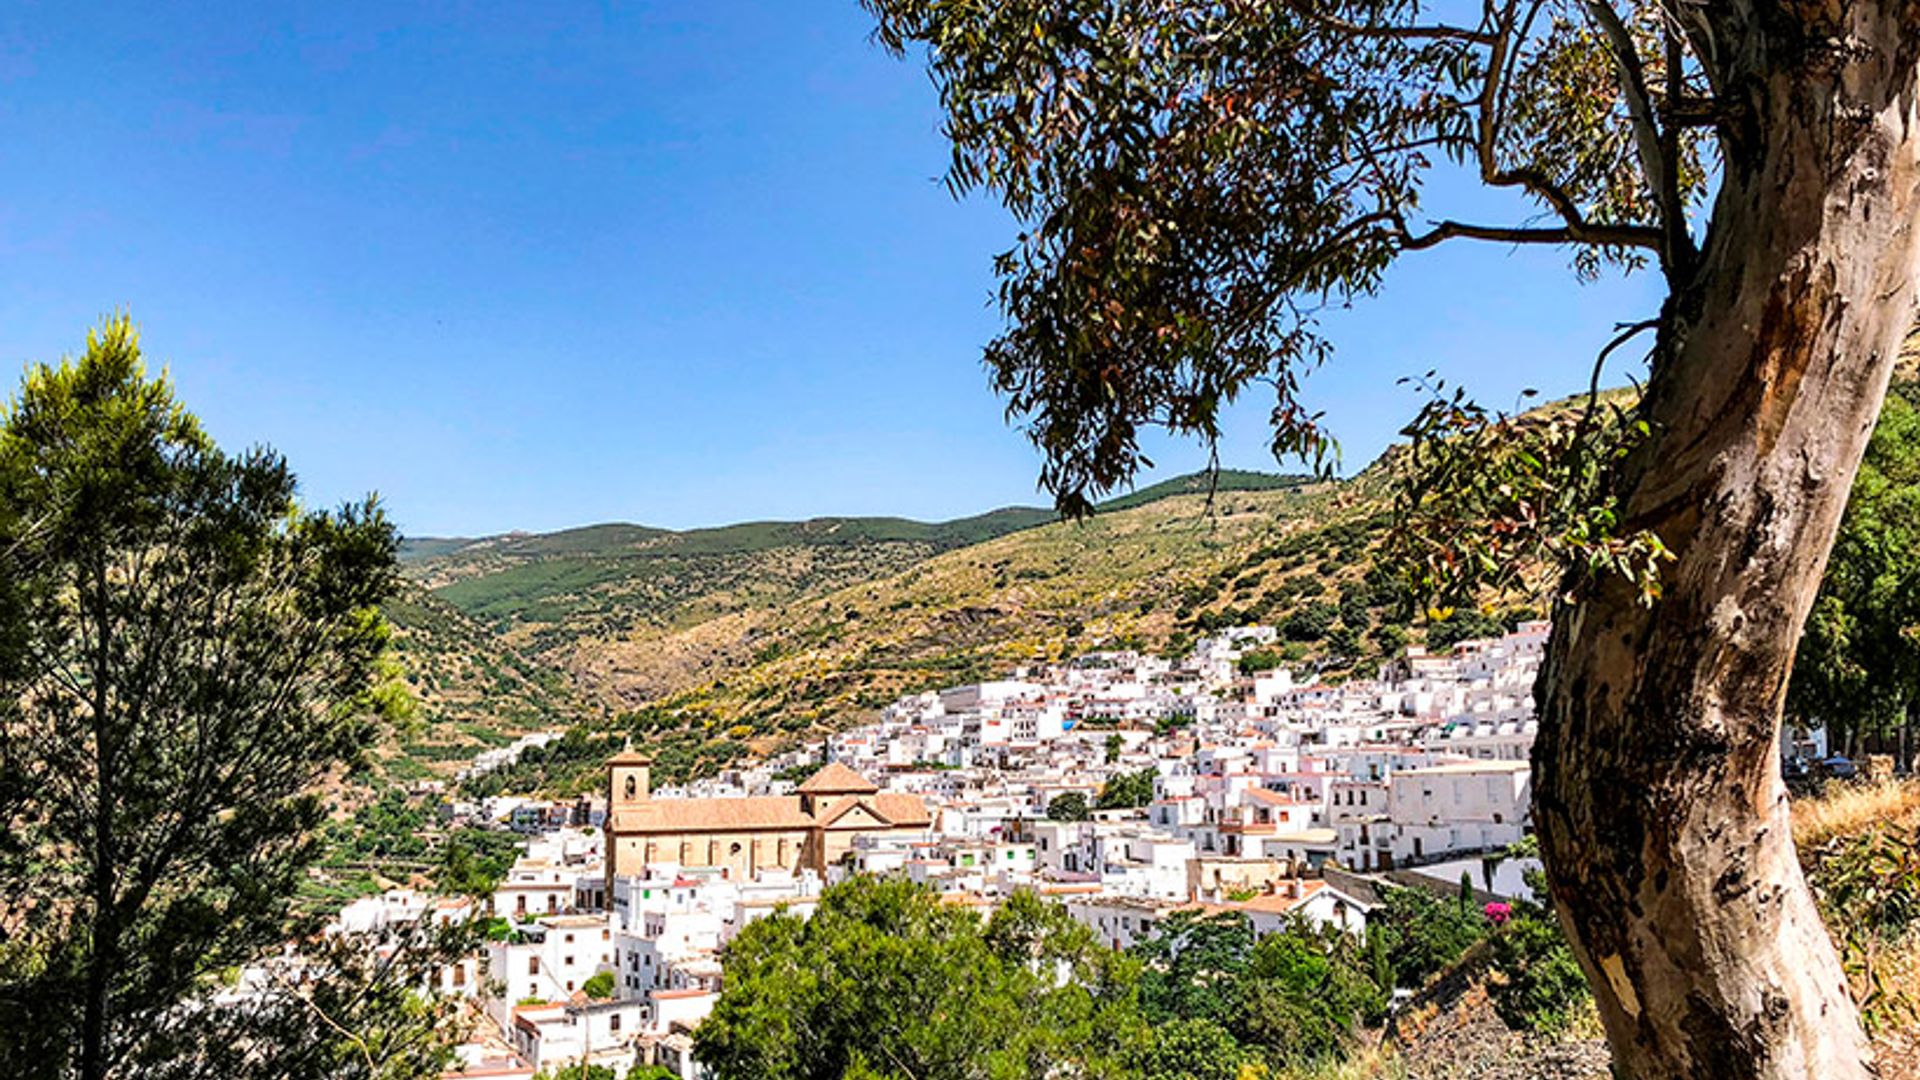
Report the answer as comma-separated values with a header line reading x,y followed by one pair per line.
x,y
1658,797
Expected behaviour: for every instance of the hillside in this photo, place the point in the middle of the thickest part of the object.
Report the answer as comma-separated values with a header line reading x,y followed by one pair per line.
x,y
772,628
1150,576
474,691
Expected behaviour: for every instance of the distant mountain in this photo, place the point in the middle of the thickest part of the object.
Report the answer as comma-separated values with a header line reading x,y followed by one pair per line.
x,y
1226,480
713,643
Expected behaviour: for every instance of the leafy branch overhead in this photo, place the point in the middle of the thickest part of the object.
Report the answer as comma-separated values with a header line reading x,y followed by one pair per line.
x,y
1196,183
1488,505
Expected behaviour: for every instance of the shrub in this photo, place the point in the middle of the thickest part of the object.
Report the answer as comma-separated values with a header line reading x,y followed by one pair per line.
x,y
1071,806
1536,984
600,986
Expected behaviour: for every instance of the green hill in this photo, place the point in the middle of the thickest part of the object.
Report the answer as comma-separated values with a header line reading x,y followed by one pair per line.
x,y
503,633
474,691
1154,575
1226,480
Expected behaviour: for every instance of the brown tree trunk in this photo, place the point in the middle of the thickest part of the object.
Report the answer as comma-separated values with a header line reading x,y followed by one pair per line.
x,y
1658,798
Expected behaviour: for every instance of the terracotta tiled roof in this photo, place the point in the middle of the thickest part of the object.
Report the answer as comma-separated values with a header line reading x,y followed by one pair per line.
x,y
837,779
629,757
694,815
904,811
761,812
1280,903
1277,798
847,804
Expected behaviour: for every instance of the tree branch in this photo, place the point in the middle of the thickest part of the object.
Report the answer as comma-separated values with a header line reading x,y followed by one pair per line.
x,y
1641,236
1436,32
1660,174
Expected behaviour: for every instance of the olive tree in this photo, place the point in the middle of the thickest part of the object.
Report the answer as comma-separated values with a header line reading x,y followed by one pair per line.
x,y
1193,182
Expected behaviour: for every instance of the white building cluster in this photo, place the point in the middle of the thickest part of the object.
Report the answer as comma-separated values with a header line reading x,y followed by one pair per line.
x,y
1270,797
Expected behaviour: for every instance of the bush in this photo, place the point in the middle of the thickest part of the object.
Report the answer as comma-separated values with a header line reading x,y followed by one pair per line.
x,y
1536,985
599,987
1424,936
1255,661
1071,806
1190,1050
1128,790
1309,623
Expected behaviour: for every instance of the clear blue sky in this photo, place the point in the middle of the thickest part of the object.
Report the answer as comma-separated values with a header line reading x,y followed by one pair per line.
x,y
531,266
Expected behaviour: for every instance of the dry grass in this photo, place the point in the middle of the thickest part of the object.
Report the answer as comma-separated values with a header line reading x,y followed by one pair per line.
x,y
1374,1062
1896,1034
1850,809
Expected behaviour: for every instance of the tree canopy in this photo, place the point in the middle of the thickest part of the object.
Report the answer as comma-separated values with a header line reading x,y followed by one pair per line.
x,y
1858,669
1029,992
1194,183
185,651
1127,790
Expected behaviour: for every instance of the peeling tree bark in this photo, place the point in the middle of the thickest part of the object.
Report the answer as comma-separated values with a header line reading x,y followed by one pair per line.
x,y
1658,798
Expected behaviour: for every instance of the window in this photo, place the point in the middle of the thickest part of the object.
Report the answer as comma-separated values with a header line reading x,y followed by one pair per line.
x,y
533,965
567,962
613,1022
734,848
459,975
569,986
606,935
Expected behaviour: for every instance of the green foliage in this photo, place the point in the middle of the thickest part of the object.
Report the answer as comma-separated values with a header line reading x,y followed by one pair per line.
x,y
1485,503
1868,889
1193,966
1858,666
588,1072
1458,626
1190,197
1070,806
1255,661
1537,984
1294,997
1308,991
388,827
1309,623
598,986
1126,791
185,652
885,979
1423,935
1189,1050
475,861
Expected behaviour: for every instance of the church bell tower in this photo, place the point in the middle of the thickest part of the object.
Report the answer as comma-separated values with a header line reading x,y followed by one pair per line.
x,y
627,778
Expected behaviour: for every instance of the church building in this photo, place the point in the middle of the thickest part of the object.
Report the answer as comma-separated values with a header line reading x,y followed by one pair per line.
x,y
812,828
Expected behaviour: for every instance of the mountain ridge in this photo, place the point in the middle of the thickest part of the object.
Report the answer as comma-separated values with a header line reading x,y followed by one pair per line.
x,y
415,550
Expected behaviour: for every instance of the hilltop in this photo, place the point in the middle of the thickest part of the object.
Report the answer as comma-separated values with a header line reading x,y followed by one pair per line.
x,y
623,617
713,644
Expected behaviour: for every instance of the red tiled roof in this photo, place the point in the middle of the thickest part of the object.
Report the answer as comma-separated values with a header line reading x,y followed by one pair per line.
x,y
837,779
